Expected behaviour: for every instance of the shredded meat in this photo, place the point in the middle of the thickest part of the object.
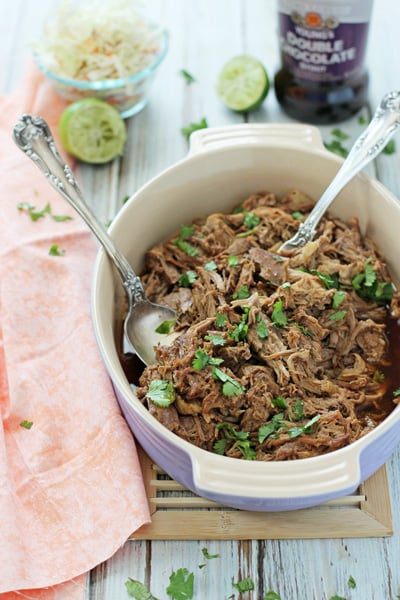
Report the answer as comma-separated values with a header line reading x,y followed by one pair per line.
x,y
278,358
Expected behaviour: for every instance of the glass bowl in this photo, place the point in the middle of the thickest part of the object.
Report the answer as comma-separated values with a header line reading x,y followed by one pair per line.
x,y
128,94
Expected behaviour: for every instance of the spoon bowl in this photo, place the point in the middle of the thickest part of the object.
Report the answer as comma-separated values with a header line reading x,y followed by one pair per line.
x,y
32,135
368,145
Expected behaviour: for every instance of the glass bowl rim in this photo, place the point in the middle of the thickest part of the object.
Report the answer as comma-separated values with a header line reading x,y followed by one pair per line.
x,y
109,84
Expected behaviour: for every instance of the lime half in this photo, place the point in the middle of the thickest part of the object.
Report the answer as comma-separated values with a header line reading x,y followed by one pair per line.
x,y
92,130
243,83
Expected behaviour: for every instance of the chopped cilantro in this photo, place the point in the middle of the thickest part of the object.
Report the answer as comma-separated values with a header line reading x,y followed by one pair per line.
x,y
390,147
266,430
262,330
351,582
368,286
337,316
233,261
296,431
220,319
189,129
239,333
279,402
181,584
271,595
138,590
362,120
336,597
207,555
182,244
26,424
211,266
244,585
55,250
329,281
396,392
202,360
250,220
340,134
338,298
242,293
379,376
216,338
303,329
336,147
230,386
278,316
166,326
35,215
187,76
187,279
161,392
297,410
297,215
220,445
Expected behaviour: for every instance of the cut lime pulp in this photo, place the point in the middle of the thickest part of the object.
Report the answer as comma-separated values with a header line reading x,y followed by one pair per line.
x,y
92,131
243,83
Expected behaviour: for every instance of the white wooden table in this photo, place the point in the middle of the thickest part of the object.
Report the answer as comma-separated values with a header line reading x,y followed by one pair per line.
x,y
202,36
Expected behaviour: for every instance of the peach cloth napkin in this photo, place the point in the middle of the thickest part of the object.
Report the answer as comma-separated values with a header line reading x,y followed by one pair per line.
x,y
71,489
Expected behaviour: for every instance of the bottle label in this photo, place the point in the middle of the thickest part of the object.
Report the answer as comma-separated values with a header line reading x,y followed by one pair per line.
x,y
324,40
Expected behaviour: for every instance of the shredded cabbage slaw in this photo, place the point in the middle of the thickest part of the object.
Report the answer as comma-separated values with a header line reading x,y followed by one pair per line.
x,y
99,40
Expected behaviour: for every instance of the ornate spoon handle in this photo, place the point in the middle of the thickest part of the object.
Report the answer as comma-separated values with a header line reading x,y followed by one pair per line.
x,y
32,135
370,143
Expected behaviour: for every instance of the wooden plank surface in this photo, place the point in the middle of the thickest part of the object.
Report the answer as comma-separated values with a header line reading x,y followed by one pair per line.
x,y
202,36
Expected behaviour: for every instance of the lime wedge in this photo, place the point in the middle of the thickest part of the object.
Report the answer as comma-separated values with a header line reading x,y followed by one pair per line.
x,y
243,83
92,130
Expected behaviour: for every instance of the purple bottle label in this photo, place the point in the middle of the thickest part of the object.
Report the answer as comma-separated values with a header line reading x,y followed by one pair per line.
x,y
326,44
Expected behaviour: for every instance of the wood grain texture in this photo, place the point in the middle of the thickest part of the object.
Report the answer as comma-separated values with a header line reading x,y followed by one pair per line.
x,y
202,36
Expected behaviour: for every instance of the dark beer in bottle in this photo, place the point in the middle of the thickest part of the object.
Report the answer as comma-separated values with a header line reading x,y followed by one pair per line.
x,y
323,78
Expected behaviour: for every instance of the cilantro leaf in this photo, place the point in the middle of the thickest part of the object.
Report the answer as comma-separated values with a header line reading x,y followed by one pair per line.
x,y
138,590
271,595
161,392
186,231
166,326
297,215
61,218
329,281
55,250
337,316
242,293
368,286
396,392
233,261
340,134
390,147
336,147
278,316
250,220
220,319
338,298
230,386
201,360
294,432
216,339
187,76
207,555
187,279
279,402
191,127
220,446
211,266
181,584
244,585
26,424
262,330
351,582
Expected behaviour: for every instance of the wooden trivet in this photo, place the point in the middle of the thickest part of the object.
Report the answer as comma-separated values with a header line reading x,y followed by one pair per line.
x,y
178,514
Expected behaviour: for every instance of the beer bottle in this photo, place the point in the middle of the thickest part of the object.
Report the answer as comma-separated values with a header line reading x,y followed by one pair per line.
x,y
323,78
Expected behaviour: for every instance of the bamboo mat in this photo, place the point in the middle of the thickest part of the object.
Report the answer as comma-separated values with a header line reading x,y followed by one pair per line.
x,y
178,514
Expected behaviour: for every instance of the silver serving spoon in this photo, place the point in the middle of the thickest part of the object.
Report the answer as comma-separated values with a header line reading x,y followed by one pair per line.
x,y
385,122
32,135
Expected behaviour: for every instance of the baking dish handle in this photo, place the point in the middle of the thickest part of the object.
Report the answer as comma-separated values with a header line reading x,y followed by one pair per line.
x,y
258,134
293,484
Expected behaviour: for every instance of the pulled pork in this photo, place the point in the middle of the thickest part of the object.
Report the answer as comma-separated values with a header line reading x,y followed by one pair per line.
x,y
279,358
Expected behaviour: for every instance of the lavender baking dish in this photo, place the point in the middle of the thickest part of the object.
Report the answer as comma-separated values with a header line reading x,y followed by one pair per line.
x,y
224,165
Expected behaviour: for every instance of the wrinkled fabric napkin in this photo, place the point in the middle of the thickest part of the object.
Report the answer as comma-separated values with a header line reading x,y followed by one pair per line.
x,y
71,490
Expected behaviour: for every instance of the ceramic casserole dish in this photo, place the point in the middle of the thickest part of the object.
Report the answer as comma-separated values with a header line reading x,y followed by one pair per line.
x,y
225,165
